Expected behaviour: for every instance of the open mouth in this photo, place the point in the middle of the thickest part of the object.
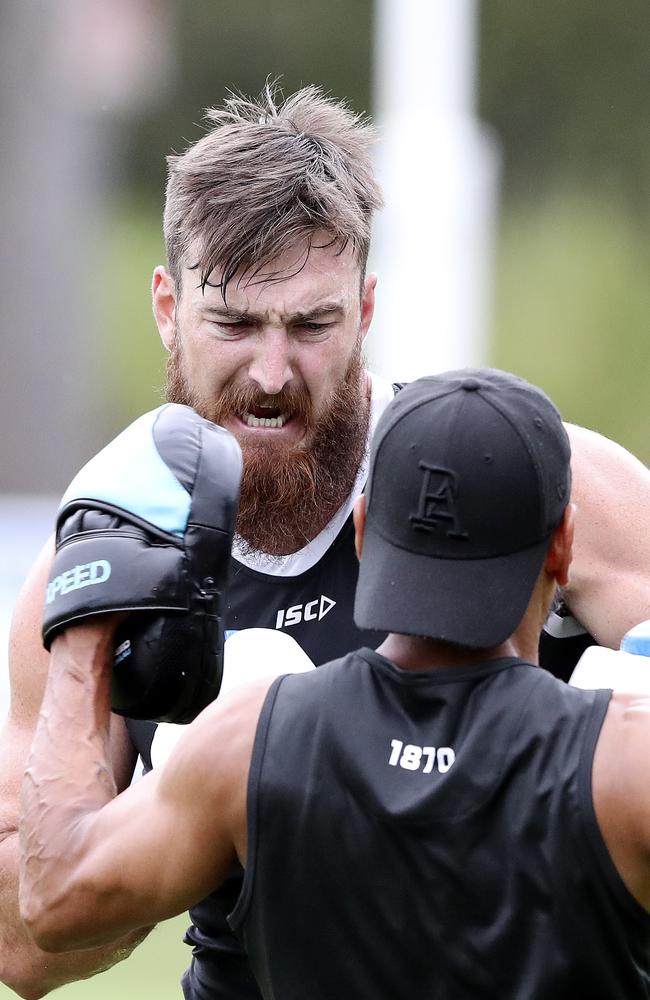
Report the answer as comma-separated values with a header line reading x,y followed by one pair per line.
x,y
265,416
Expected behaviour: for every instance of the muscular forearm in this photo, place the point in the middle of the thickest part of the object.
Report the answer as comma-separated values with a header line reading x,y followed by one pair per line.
x,y
27,970
67,780
24,968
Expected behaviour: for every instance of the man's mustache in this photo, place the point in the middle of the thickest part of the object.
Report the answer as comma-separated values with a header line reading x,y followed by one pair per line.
x,y
236,399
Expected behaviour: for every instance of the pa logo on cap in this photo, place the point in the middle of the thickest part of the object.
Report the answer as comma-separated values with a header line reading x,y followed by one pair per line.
x,y
437,501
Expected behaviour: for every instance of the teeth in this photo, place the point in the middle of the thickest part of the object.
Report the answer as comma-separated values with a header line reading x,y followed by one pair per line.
x,y
252,421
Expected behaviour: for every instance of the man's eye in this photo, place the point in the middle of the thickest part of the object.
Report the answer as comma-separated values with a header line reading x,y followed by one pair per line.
x,y
231,327
314,327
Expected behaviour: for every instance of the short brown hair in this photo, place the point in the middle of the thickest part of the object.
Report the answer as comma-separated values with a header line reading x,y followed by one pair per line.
x,y
268,174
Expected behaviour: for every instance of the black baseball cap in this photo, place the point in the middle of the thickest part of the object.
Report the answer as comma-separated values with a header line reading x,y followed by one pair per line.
x,y
469,476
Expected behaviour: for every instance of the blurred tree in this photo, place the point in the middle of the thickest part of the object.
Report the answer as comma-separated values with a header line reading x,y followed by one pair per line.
x,y
567,88
237,45
572,307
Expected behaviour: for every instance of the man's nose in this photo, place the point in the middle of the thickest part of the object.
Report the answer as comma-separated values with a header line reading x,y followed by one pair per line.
x,y
271,365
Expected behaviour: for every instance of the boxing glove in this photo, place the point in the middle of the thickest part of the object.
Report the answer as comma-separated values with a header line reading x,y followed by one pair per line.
x,y
146,527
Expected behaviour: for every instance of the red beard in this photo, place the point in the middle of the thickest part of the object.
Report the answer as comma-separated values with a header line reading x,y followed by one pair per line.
x,y
289,492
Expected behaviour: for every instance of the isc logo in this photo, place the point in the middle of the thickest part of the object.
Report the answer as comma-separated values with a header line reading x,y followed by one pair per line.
x,y
313,611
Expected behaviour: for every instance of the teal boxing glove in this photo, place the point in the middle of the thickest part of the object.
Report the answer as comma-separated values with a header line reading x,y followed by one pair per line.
x,y
146,527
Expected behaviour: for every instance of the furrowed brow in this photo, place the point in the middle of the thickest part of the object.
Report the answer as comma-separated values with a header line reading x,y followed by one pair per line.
x,y
223,312
330,307
320,309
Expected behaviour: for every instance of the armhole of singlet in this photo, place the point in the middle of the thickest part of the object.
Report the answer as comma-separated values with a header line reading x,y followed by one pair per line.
x,y
240,910
604,861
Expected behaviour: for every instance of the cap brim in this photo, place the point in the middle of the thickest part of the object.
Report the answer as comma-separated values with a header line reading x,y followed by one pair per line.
x,y
472,602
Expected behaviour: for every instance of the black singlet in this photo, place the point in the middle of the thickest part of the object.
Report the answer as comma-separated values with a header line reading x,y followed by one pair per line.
x,y
316,609
432,836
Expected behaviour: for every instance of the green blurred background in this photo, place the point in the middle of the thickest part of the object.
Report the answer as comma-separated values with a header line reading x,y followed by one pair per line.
x,y
564,89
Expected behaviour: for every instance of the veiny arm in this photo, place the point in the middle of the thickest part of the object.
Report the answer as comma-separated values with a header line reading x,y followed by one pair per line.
x,y
26,969
609,579
95,866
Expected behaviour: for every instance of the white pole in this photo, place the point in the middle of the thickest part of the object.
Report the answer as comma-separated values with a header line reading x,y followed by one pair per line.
x,y
438,170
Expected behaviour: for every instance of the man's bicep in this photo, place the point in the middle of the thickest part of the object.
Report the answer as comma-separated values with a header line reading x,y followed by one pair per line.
x,y
609,588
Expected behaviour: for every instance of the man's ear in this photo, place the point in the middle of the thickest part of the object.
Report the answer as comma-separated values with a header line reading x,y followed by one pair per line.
x,y
560,549
359,517
367,303
163,294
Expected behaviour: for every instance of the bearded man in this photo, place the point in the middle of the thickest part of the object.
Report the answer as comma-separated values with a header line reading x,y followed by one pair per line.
x,y
264,305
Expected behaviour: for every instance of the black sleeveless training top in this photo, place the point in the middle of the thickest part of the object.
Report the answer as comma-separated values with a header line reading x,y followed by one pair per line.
x,y
314,607
432,836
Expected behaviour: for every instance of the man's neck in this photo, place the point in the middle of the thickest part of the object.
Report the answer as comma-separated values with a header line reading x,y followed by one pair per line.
x,y
418,653
415,653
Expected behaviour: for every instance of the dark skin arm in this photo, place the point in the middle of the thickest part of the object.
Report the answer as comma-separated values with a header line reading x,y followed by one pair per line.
x,y
24,967
95,865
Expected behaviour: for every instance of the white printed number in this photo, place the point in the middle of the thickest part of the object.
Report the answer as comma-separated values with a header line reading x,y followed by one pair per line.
x,y
411,757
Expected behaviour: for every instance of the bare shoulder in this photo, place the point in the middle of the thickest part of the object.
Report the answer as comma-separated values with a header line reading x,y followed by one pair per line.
x,y
621,773
595,459
607,478
609,587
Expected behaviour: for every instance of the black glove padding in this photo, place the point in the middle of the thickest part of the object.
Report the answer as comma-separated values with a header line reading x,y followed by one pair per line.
x,y
146,527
